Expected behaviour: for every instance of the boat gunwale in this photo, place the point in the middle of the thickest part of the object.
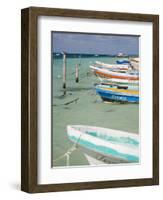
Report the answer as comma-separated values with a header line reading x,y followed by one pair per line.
x,y
124,149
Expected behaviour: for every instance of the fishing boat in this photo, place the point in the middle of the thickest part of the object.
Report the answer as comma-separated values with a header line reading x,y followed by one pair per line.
x,y
121,54
114,94
120,82
122,61
128,88
104,146
134,62
112,66
106,73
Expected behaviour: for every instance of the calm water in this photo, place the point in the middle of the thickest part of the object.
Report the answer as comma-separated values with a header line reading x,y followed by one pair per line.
x,y
89,109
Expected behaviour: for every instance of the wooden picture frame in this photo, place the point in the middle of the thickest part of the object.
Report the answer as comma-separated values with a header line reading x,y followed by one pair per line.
x,y
29,112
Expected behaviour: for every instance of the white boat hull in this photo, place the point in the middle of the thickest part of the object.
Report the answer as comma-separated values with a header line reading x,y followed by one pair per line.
x,y
101,147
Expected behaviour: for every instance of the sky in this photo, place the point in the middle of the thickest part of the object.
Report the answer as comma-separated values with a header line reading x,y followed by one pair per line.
x,y
94,43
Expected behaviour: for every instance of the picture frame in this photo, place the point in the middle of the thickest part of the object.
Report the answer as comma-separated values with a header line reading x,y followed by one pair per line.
x,y
29,99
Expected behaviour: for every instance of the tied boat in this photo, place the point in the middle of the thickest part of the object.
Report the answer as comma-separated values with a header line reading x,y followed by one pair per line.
x,y
112,93
104,146
106,73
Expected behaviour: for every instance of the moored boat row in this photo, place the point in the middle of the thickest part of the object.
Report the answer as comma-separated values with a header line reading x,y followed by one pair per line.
x,y
119,82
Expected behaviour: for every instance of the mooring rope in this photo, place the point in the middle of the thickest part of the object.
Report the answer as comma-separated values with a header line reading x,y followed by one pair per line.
x,y
69,152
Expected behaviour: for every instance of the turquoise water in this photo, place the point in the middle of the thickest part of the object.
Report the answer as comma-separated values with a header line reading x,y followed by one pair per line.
x,y
82,106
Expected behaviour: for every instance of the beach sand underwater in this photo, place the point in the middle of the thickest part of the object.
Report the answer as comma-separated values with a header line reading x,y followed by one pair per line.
x,y
82,106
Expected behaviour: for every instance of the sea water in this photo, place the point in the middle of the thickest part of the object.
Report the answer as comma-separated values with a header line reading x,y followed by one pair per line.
x,y
82,106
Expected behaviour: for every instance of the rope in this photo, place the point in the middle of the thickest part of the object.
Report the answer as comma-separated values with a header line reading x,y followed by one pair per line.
x,y
69,152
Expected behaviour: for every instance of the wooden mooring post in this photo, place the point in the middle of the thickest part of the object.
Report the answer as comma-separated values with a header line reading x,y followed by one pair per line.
x,y
64,72
77,73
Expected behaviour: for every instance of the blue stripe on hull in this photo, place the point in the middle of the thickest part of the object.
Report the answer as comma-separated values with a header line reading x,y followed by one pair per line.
x,y
109,95
122,62
105,150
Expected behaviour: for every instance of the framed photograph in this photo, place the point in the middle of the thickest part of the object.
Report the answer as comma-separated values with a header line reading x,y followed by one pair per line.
x,y
90,99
